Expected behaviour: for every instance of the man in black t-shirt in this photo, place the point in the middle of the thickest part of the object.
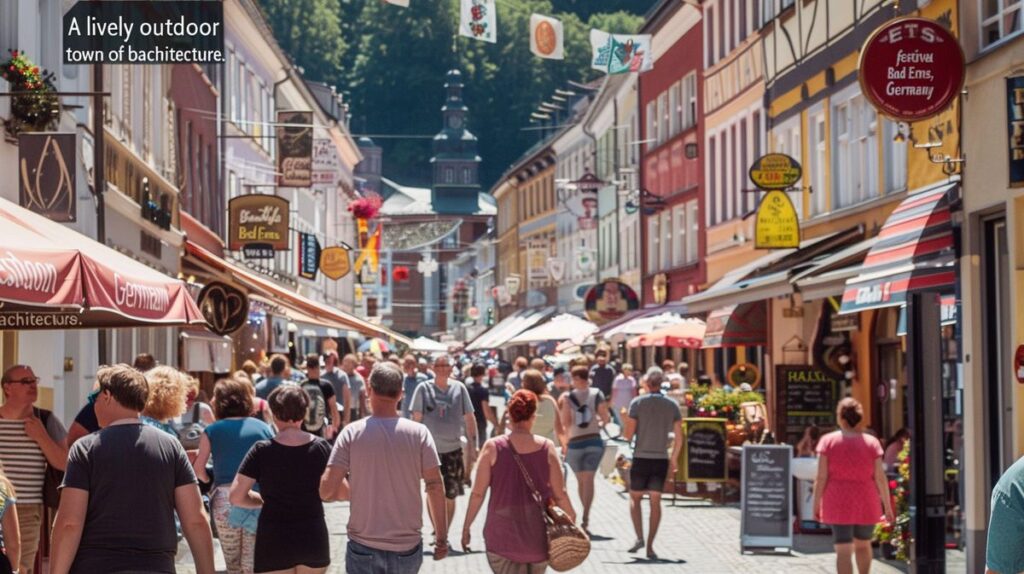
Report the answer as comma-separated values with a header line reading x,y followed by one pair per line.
x,y
602,375
102,505
323,418
481,399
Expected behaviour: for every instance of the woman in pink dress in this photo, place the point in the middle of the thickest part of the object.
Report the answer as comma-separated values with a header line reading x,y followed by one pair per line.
x,y
851,489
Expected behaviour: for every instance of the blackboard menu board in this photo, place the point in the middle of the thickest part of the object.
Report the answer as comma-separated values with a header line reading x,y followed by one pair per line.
x,y
806,396
766,519
703,454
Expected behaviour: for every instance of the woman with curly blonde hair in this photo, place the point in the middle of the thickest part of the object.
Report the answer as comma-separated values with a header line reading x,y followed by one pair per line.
x,y
168,391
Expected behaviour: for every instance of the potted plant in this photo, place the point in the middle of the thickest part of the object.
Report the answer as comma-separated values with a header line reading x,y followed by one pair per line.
x,y
36,108
894,539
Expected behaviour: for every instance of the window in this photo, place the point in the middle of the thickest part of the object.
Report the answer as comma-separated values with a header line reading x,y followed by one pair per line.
x,y
709,15
999,20
693,224
816,175
712,192
663,114
675,109
690,100
666,239
651,116
855,125
654,238
449,175
895,157
679,237
466,177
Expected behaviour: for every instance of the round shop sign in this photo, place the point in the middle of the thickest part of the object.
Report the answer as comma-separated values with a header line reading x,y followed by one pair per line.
x,y
775,171
609,300
911,69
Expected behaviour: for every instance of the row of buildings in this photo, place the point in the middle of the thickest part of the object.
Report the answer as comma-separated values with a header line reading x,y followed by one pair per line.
x,y
179,143
885,207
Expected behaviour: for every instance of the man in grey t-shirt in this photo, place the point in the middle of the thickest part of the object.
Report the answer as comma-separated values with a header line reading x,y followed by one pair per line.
x,y
651,418
357,386
444,405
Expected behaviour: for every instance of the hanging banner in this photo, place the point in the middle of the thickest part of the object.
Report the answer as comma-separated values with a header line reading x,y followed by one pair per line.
x,y
370,252
546,38
225,308
556,269
478,19
335,262
295,149
46,169
609,300
513,283
777,225
619,53
258,224
309,256
775,171
1015,103
537,253
911,69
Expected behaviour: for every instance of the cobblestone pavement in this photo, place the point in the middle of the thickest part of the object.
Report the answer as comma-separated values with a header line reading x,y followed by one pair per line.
x,y
696,537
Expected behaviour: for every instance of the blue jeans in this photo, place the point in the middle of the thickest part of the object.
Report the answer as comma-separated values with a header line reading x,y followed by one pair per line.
x,y
360,559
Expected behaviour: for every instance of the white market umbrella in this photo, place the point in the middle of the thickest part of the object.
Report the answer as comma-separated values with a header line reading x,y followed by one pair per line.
x,y
559,328
641,326
428,345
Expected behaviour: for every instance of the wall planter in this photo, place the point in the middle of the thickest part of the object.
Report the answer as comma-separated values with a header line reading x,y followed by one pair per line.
x,y
38,109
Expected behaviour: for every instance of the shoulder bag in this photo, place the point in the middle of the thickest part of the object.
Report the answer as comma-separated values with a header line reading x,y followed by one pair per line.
x,y
568,544
53,477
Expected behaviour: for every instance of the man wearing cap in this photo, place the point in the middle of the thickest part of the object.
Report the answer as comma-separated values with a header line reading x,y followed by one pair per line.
x,y
31,440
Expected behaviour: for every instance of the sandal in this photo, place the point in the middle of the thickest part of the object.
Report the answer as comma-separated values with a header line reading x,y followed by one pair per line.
x,y
636,546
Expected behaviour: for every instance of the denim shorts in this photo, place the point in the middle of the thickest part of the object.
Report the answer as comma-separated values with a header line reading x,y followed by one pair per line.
x,y
361,559
585,455
846,533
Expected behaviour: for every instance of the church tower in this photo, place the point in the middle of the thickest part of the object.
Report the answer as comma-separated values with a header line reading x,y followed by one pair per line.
x,y
456,165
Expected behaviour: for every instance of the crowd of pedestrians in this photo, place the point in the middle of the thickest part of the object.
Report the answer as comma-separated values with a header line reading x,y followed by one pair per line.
x,y
150,459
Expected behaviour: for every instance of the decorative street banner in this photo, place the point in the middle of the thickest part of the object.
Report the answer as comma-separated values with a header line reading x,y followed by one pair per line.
x,y
556,268
478,19
47,174
609,300
911,68
326,163
225,308
309,256
335,262
777,225
620,54
546,37
258,224
1015,104
775,171
295,149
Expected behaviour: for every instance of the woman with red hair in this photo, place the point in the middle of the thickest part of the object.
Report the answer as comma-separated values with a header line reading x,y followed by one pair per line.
x,y
514,532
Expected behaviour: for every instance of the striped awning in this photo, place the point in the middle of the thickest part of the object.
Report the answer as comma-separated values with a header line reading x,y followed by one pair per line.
x,y
743,325
914,252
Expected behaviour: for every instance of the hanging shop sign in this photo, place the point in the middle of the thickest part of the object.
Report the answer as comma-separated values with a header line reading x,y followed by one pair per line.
x,y
1015,115
609,300
744,373
326,163
537,252
295,148
777,225
309,256
46,174
660,288
775,171
911,69
225,308
556,269
258,225
335,262
512,284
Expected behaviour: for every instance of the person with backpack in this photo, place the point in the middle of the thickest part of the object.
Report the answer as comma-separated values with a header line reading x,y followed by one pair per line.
x,y
322,418
584,411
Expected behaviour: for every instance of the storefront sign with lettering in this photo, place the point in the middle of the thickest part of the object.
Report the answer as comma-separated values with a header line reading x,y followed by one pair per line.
x,y
1015,115
775,171
777,225
295,148
309,256
46,174
335,262
911,69
258,222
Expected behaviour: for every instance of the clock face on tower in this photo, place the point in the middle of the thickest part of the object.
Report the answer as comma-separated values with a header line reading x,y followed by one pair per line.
x,y
455,122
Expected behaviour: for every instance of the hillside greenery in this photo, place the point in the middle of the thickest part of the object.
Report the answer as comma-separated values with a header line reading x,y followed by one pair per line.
x,y
390,64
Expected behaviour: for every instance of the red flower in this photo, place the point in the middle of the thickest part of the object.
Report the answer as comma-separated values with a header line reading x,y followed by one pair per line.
x,y
893,484
401,273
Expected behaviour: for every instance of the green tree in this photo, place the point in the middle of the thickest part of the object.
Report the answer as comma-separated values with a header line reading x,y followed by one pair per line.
x,y
310,32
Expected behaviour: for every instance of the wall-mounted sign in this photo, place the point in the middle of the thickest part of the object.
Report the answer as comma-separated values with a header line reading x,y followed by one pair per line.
x,y
258,223
744,373
777,225
326,163
775,171
609,300
335,262
46,174
513,283
295,148
805,396
659,287
556,269
309,256
537,252
848,322
1015,115
225,308
911,68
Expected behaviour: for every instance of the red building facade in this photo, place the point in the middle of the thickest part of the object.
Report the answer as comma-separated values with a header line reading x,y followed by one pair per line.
x,y
672,169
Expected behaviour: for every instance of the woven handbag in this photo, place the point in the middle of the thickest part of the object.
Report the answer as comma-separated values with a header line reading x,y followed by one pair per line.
x,y
568,545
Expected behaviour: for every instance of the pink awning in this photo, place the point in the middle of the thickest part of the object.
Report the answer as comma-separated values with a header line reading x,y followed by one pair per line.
x,y
52,277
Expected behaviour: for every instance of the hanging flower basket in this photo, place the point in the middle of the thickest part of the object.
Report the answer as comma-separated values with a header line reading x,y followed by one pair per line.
x,y
36,110
366,208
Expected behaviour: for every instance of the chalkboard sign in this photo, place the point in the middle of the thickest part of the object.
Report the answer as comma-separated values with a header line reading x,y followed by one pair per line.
x,y
806,396
703,453
766,518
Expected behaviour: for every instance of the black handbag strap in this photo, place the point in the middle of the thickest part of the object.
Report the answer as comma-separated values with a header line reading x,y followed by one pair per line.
x,y
526,475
